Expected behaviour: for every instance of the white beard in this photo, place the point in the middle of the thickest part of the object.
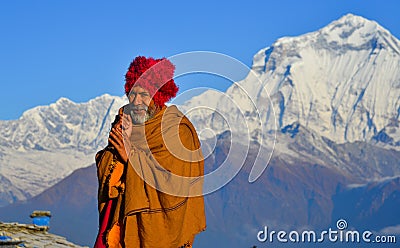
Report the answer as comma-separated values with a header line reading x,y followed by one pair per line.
x,y
140,119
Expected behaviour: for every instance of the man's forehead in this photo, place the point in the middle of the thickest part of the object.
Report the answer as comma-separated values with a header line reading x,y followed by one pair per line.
x,y
138,89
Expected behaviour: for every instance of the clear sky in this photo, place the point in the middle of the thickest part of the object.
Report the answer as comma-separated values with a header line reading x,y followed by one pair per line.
x,y
81,49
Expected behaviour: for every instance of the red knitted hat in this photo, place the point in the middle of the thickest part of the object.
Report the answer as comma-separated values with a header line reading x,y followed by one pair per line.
x,y
154,75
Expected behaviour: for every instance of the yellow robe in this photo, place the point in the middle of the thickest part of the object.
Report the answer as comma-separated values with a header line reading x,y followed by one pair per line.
x,y
158,194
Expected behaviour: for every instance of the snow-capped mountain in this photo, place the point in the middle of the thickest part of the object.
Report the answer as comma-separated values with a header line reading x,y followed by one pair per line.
x,y
48,143
339,84
62,125
342,81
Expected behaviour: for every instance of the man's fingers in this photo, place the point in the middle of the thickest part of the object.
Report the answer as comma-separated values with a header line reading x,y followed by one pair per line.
x,y
119,138
116,132
126,122
117,142
116,136
125,117
116,139
129,117
113,143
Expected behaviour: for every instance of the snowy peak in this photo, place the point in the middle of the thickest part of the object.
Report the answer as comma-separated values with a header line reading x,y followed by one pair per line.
x,y
351,29
49,142
359,33
350,32
63,124
342,81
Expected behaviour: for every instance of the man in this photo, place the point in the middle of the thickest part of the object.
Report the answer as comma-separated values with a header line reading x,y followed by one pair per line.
x,y
150,174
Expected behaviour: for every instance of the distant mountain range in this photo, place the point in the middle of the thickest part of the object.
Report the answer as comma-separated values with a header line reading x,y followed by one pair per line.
x,y
47,143
332,100
290,194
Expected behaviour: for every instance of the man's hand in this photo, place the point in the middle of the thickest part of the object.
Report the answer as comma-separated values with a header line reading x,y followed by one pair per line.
x,y
120,136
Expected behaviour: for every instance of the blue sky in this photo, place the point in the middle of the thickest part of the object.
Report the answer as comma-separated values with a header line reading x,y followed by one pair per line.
x,y
81,49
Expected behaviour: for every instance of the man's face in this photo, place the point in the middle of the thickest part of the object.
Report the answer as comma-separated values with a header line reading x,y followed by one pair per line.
x,y
140,105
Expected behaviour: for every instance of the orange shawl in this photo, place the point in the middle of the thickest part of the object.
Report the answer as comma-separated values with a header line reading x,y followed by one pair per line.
x,y
158,195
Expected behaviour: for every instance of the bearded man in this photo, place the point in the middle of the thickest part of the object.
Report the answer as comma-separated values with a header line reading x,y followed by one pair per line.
x,y
150,174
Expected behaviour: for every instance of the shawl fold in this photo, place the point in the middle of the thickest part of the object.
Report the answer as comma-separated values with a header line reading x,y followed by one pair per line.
x,y
158,194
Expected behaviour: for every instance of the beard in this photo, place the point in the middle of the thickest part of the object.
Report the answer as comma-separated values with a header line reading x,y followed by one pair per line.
x,y
141,118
